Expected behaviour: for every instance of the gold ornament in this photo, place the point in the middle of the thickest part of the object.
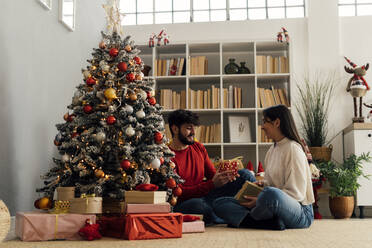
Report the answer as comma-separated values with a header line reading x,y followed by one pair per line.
x,y
93,67
134,165
110,94
172,165
102,45
121,141
133,97
99,173
128,48
131,62
173,201
138,77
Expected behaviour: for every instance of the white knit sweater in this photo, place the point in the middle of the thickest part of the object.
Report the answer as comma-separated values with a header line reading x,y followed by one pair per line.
x,y
287,169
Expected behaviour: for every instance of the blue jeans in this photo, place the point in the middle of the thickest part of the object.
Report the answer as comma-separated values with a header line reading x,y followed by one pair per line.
x,y
203,205
271,203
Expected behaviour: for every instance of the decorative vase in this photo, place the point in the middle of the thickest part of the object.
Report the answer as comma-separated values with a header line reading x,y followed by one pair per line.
x,y
231,67
4,221
243,69
321,153
341,206
146,70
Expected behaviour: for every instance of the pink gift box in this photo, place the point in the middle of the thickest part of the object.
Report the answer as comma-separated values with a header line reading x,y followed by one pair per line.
x,y
147,208
193,227
39,226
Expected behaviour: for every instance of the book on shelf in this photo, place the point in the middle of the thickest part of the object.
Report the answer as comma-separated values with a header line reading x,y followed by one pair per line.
x,y
198,65
170,67
248,189
271,64
270,97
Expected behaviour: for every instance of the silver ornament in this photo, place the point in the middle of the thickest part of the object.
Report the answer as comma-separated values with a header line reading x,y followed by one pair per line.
x,y
101,136
143,94
105,68
111,109
86,74
102,63
128,109
130,131
155,163
65,158
140,114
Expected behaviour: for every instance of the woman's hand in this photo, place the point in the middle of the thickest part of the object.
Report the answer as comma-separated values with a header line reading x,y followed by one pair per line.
x,y
250,203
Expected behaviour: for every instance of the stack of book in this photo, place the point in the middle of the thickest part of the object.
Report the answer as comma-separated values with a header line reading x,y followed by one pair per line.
x,y
271,64
170,67
170,99
271,97
198,65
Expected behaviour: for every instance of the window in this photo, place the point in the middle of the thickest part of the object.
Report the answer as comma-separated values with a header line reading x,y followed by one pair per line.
x,y
183,11
67,10
354,7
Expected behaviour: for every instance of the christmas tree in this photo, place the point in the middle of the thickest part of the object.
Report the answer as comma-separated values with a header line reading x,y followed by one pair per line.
x,y
112,140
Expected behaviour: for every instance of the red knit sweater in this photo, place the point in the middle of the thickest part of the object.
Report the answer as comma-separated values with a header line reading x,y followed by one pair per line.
x,y
193,164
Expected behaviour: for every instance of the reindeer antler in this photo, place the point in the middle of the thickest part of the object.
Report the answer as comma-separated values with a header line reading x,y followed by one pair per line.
x,y
368,106
349,70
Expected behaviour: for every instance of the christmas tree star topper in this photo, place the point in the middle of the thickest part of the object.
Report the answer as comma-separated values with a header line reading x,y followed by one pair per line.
x,y
113,16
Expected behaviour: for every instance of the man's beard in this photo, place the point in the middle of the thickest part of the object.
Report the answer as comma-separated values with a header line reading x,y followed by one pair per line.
x,y
184,140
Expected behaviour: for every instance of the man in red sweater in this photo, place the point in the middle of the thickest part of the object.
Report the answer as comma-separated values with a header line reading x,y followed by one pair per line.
x,y
202,183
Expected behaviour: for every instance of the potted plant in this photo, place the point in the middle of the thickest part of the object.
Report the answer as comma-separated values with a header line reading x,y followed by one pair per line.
x,y
343,181
313,105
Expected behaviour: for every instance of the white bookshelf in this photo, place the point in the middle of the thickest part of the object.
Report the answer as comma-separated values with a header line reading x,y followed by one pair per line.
x,y
218,54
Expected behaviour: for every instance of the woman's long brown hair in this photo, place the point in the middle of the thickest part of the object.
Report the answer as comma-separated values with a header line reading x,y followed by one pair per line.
x,y
287,124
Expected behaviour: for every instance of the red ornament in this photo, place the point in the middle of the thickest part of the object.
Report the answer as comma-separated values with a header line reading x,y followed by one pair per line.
x,y
152,101
130,77
138,60
90,231
177,191
36,204
88,109
74,134
70,118
158,137
114,52
171,183
57,143
125,164
148,94
90,81
161,160
122,66
111,120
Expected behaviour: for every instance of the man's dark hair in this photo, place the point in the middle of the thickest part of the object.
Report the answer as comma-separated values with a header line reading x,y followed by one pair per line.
x,y
180,117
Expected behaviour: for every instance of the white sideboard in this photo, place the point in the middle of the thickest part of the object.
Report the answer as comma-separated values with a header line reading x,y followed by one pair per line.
x,y
358,140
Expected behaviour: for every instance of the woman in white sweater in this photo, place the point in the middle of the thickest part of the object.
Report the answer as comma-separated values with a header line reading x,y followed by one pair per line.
x,y
287,197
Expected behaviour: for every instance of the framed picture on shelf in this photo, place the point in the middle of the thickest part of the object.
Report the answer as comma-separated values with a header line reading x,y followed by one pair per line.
x,y
240,131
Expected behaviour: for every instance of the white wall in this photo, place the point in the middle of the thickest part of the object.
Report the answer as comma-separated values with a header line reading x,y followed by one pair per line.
x,y
40,66
41,62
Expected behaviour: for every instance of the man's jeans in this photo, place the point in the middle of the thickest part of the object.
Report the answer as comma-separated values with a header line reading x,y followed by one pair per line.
x,y
271,203
203,205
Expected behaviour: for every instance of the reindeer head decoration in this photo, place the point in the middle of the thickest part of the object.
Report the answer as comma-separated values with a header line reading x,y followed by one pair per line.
x,y
359,71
